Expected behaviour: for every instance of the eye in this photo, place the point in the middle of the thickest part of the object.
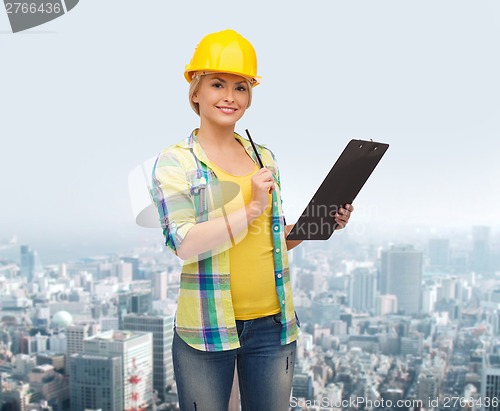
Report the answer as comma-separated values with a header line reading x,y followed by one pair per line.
x,y
241,88
217,85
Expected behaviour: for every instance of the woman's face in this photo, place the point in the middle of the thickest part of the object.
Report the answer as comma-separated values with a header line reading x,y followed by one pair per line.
x,y
222,98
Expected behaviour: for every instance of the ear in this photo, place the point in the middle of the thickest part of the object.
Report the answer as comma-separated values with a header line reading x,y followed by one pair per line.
x,y
195,98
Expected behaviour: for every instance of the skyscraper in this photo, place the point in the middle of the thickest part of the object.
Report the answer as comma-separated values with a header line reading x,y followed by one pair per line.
x,y
159,285
138,302
439,252
136,272
123,271
362,289
136,352
75,334
427,387
429,298
96,382
401,275
490,382
27,263
162,329
480,248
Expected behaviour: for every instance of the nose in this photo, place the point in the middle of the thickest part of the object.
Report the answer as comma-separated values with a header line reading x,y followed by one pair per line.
x,y
229,95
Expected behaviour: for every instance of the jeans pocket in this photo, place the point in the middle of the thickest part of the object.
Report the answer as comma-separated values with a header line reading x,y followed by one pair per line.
x,y
276,318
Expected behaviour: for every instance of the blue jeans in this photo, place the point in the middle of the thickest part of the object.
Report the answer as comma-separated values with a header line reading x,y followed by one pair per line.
x,y
265,370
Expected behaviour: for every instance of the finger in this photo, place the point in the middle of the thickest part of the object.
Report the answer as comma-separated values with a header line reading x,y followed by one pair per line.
x,y
264,171
349,207
265,177
341,219
267,185
344,212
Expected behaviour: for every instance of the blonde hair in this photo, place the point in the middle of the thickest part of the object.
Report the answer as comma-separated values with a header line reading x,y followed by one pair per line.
x,y
195,85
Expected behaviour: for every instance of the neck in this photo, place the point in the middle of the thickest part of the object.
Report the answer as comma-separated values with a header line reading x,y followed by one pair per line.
x,y
211,134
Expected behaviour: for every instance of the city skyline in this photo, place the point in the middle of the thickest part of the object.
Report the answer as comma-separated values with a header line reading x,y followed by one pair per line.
x,y
363,337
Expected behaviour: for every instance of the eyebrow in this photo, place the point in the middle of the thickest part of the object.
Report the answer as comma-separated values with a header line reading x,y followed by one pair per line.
x,y
224,81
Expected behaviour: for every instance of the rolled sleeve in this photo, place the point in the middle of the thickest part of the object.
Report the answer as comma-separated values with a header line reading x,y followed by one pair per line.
x,y
172,196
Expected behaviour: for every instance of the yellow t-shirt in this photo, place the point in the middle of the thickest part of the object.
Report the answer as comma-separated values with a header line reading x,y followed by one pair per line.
x,y
253,288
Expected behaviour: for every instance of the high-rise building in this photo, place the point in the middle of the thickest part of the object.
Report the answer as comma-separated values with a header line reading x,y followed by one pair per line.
x,y
123,271
75,334
159,285
480,248
427,387
136,272
448,289
27,263
439,252
162,329
429,298
302,384
96,382
136,350
362,289
490,382
137,302
401,275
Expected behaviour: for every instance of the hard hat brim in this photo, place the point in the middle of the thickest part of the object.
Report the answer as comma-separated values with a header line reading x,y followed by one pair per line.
x,y
188,75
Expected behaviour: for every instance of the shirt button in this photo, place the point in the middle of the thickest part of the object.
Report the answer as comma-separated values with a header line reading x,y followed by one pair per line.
x,y
276,228
173,225
282,302
279,275
275,203
278,250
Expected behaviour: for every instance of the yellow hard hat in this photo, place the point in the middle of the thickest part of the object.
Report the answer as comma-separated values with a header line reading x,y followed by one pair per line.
x,y
226,52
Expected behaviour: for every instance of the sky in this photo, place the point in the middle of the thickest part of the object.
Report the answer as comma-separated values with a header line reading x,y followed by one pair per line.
x,y
87,97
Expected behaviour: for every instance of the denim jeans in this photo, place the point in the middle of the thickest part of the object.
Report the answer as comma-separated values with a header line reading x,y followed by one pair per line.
x,y
265,370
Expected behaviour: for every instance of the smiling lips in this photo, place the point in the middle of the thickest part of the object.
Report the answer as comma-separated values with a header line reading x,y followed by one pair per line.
x,y
227,110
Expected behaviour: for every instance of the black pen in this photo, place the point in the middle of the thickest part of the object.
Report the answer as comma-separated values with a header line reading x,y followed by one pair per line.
x,y
257,154
254,149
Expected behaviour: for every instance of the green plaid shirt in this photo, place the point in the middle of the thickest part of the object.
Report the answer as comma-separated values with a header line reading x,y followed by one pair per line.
x,y
186,191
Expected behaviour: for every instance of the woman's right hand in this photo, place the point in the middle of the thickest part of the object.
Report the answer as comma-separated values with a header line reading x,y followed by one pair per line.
x,y
262,187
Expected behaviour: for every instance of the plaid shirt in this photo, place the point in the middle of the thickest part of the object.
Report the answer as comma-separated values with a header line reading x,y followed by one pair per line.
x,y
185,191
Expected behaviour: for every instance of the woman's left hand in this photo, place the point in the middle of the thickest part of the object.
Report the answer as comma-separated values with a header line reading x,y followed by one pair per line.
x,y
342,216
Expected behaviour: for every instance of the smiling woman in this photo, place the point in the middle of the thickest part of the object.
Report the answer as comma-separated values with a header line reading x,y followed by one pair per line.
x,y
222,215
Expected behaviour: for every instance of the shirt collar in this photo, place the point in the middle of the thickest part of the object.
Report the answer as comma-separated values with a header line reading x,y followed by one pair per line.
x,y
192,143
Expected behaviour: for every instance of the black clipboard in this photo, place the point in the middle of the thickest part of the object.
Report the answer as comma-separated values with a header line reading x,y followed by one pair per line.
x,y
340,187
